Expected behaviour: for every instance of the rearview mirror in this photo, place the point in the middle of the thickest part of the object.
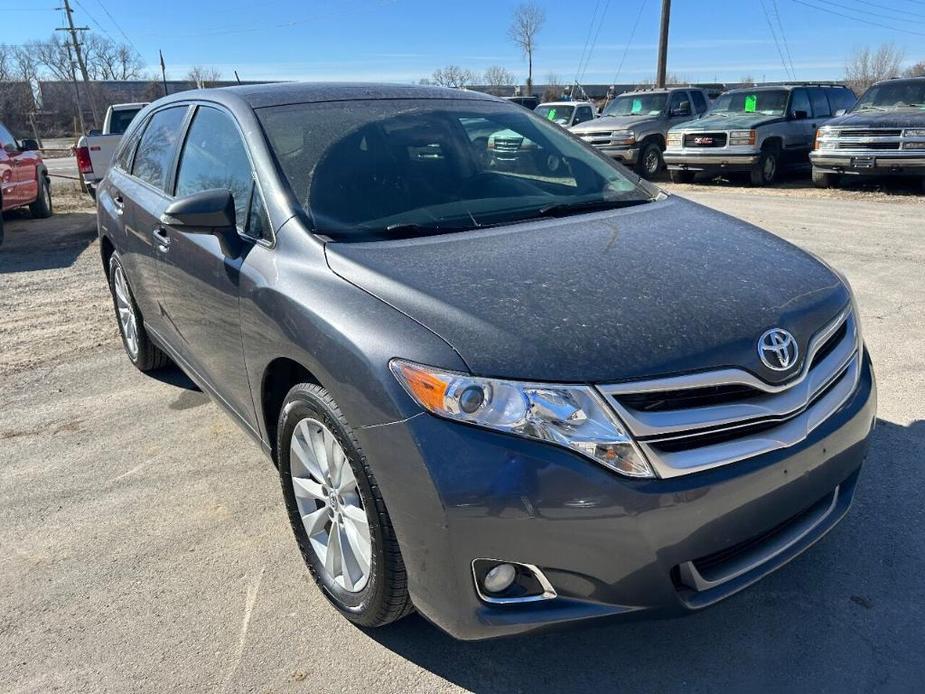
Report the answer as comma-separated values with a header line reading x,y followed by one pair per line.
x,y
28,145
202,212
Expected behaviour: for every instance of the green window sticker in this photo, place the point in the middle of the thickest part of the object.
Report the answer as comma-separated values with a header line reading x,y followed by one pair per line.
x,y
637,106
751,103
551,115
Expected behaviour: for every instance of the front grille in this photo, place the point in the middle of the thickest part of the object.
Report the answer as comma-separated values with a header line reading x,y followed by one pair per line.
x,y
870,133
869,145
705,140
685,424
598,139
508,145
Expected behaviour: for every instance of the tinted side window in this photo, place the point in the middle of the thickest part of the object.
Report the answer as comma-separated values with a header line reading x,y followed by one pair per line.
x,y
584,113
842,99
258,223
700,103
820,103
800,102
214,157
157,146
677,102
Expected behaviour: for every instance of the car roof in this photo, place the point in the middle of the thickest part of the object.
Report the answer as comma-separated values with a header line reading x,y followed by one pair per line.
x,y
565,103
280,93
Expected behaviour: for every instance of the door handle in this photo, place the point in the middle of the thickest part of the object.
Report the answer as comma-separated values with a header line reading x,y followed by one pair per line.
x,y
161,239
119,201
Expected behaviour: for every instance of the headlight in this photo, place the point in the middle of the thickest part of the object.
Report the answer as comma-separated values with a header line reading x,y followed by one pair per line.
x,y
914,145
574,417
622,137
675,139
914,132
742,137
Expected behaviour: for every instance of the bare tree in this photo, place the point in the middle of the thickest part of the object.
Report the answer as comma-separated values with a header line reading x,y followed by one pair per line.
x,y
553,90
203,77
917,70
53,57
453,76
526,23
865,66
496,77
7,63
108,60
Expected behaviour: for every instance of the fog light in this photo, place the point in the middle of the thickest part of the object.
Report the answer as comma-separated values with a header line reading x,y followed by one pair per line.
x,y
499,578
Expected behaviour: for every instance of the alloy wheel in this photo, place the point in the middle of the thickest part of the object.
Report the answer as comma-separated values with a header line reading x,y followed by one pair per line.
x,y
330,505
769,168
126,311
652,161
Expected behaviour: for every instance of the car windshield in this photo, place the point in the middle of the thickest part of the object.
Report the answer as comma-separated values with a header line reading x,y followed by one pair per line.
x,y
380,169
893,95
769,102
636,105
555,113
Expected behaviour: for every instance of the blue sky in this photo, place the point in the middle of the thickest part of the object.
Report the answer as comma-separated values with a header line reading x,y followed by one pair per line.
x,y
403,40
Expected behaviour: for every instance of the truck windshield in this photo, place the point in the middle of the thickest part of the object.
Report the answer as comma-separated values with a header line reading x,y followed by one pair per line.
x,y
636,105
380,169
893,95
769,102
557,114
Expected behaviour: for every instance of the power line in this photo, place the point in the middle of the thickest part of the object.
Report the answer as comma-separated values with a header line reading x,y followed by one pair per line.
x,y
780,51
597,33
783,36
629,43
864,12
891,9
93,19
858,19
587,39
118,26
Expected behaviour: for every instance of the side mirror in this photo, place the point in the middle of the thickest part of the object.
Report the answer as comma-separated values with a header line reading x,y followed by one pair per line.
x,y
93,132
207,212
29,145
841,112
800,115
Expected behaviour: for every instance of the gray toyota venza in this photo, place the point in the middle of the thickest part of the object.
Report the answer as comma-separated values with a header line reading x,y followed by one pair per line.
x,y
506,383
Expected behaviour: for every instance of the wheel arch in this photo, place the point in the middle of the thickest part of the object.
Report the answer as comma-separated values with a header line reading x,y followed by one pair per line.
x,y
279,376
657,138
774,142
107,248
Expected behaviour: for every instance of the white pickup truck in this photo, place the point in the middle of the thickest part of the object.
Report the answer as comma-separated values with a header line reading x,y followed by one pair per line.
x,y
95,150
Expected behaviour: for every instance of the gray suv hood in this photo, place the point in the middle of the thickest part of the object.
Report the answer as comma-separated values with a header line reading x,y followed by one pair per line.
x,y
651,290
611,123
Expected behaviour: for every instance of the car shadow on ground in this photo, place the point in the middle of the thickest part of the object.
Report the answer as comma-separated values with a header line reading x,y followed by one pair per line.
x,y
799,179
845,616
44,244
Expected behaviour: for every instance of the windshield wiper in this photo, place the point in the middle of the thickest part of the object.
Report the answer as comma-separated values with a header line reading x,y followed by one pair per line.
x,y
563,209
870,107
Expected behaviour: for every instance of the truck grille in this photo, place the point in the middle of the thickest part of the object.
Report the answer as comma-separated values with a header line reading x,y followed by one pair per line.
x,y
862,139
868,145
705,140
598,139
870,133
508,145
685,424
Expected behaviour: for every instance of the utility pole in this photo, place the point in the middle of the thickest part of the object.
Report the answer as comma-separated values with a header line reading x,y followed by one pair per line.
x,y
72,30
80,111
661,72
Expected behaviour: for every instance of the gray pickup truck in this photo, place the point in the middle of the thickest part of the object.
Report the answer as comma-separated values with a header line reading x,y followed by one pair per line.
x,y
755,131
884,135
633,127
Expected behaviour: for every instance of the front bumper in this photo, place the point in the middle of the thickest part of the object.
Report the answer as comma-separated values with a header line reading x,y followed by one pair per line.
x,y
609,545
712,162
626,155
869,162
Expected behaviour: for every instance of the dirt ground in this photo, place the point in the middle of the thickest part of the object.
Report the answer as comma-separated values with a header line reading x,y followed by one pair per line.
x,y
144,545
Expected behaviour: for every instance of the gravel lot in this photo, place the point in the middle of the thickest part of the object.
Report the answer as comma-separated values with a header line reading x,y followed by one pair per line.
x,y
145,547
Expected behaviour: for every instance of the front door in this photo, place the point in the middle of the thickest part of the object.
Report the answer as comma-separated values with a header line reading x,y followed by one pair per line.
x,y
199,279
9,190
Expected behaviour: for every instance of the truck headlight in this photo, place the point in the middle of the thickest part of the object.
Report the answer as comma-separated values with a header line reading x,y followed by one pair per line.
x,y
914,132
622,137
571,416
914,145
742,137
675,140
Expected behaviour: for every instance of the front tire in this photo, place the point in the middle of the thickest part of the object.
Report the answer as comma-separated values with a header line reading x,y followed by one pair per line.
x,y
337,513
650,161
42,207
765,172
821,179
141,351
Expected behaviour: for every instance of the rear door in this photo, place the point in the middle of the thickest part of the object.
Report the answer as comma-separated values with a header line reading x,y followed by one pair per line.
x,y
199,282
802,130
10,190
144,199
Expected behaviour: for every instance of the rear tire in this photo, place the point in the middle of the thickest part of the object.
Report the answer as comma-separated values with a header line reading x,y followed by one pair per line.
x,y
42,207
141,351
681,176
650,161
822,179
765,172
372,598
